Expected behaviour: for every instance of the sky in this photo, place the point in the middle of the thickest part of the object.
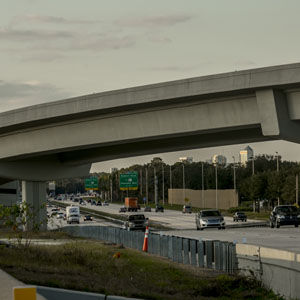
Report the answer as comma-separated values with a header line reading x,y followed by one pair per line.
x,y
56,49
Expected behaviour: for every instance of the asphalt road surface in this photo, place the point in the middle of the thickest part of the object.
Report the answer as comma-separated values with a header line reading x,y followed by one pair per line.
x,y
285,238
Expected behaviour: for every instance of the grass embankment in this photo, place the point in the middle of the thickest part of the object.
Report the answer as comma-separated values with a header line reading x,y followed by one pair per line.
x,y
8,233
94,267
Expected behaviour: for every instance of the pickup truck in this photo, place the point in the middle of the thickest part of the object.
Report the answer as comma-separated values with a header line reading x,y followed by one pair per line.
x,y
136,222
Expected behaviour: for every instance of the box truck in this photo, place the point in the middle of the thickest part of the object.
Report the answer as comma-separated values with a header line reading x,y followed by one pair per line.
x,y
72,214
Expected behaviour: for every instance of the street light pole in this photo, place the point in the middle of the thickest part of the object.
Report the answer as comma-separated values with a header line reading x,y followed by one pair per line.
x,y
163,184
277,173
155,186
147,185
234,179
202,173
171,185
183,181
216,185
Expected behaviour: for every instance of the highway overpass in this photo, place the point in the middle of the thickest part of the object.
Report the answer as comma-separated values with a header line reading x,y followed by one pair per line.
x,y
61,139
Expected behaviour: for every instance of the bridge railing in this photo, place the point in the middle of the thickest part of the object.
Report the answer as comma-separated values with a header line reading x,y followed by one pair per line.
x,y
216,255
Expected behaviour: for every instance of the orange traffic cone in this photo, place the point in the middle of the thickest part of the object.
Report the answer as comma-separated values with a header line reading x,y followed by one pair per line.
x,y
145,246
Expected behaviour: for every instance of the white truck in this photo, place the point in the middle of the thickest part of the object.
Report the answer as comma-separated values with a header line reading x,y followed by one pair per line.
x,y
72,214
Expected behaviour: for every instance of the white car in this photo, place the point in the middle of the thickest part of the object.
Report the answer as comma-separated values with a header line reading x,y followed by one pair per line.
x,y
60,215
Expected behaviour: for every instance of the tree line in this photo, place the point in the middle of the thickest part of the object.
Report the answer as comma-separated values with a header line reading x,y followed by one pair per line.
x,y
269,178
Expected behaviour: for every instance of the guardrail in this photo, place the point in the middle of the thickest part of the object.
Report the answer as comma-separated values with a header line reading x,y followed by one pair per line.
x,y
216,255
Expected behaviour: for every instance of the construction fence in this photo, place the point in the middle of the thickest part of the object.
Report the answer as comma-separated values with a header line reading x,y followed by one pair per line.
x,y
216,255
219,199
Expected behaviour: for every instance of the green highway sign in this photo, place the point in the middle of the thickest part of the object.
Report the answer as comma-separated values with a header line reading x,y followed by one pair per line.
x,y
91,183
129,181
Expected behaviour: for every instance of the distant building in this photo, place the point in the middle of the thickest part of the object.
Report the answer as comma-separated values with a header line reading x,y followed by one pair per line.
x,y
246,154
219,159
186,159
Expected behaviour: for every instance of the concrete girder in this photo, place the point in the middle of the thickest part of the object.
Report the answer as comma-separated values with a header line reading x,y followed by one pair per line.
x,y
35,170
274,116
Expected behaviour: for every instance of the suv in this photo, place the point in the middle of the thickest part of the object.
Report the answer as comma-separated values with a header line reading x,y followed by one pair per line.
x,y
239,215
136,222
159,208
209,218
284,215
187,209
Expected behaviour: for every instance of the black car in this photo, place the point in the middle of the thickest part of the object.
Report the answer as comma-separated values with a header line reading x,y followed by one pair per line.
x,y
99,203
159,208
147,208
239,215
284,215
88,218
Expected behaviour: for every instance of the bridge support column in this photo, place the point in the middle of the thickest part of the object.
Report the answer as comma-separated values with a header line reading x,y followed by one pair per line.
x,y
34,194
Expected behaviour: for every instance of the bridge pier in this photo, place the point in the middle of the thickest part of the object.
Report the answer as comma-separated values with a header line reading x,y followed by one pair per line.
x,y
34,195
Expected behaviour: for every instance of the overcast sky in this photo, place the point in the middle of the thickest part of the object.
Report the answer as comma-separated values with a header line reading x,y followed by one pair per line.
x,y
55,49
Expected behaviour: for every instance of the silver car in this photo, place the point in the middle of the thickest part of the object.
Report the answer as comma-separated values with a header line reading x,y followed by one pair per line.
x,y
210,218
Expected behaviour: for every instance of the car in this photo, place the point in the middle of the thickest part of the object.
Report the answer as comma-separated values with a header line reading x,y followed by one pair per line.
x,y
239,215
209,218
105,203
147,208
60,215
122,209
88,218
93,202
159,208
136,222
284,215
99,203
187,209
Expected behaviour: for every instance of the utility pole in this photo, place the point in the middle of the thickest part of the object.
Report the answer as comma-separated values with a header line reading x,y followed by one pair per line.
x,y
171,185
216,185
202,173
147,185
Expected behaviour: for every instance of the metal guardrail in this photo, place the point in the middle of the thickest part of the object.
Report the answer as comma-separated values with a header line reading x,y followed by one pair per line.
x,y
216,255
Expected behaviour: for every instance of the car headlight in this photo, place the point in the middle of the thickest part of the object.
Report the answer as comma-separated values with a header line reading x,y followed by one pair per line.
x,y
131,225
203,221
280,217
298,216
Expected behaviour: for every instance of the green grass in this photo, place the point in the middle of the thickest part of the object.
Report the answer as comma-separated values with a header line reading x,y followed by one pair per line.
x,y
91,266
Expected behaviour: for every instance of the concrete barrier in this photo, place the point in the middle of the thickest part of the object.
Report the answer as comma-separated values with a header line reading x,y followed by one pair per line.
x,y
278,270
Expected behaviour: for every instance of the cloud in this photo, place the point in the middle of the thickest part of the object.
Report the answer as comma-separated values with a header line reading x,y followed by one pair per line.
x,y
104,43
154,21
44,19
19,94
159,39
29,35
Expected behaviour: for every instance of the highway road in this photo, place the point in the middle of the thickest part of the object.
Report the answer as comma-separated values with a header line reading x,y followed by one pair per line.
x,y
286,237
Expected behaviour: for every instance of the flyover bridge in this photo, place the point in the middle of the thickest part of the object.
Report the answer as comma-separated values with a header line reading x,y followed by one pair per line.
x,y
61,139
